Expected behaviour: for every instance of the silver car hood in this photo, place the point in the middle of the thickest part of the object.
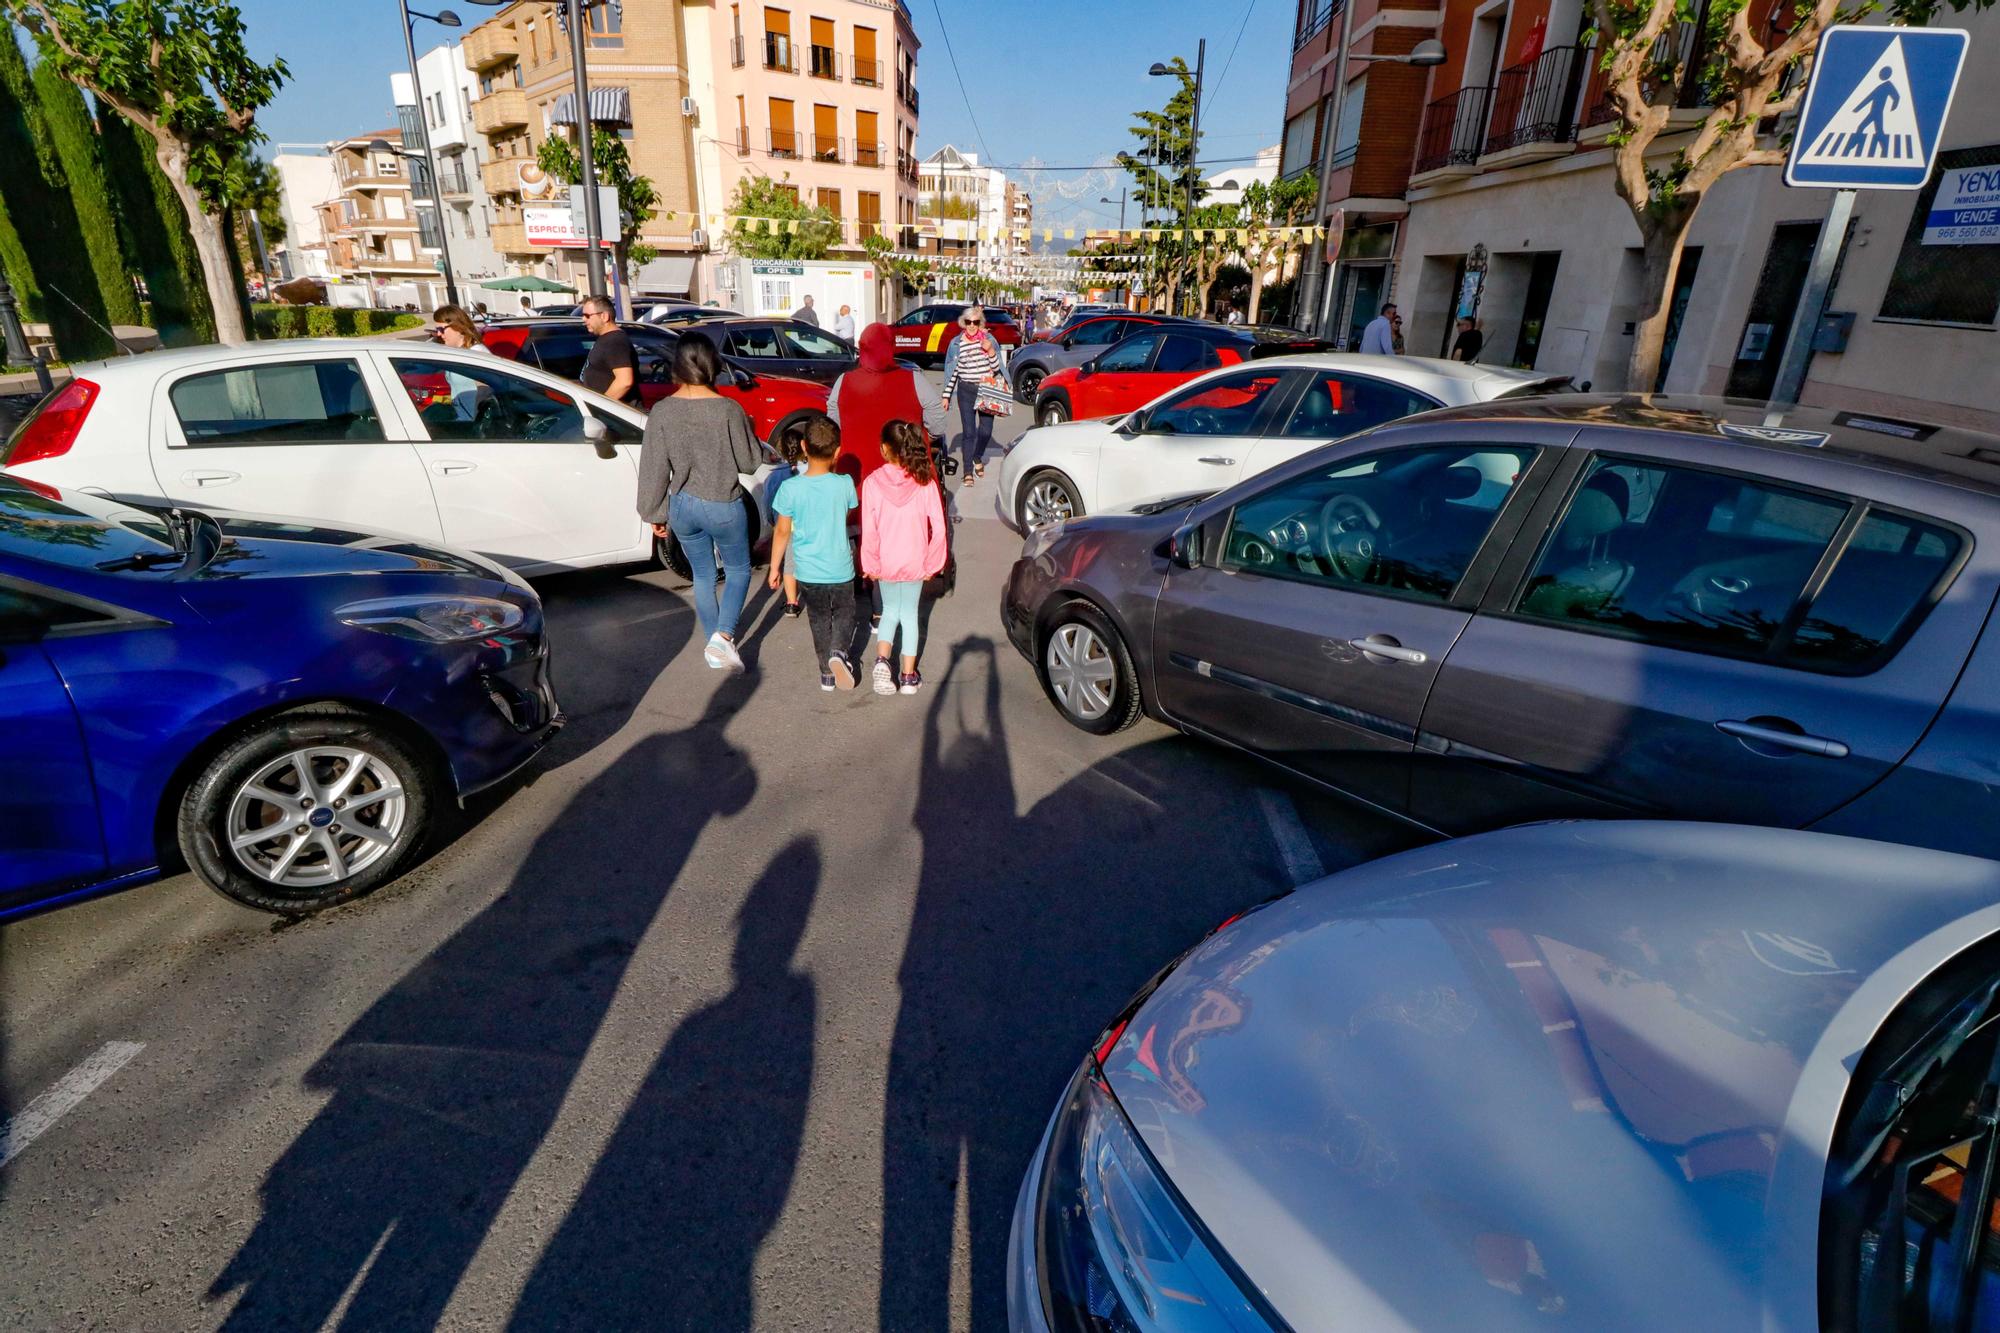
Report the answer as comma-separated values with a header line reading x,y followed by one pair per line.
x,y
1538,1073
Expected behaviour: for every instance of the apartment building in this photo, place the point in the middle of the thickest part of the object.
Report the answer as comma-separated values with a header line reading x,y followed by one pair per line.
x,y
1021,217
305,181
968,210
448,88
1226,186
372,230
820,96
636,59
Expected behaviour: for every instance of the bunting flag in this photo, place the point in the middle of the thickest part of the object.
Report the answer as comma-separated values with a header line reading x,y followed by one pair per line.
x,y
1069,233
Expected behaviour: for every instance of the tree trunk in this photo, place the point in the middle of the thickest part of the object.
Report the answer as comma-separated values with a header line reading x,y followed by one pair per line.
x,y
1256,292
212,245
1661,238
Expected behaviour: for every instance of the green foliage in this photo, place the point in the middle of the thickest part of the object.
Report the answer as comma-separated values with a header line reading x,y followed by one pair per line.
x,y
155,230
320,321
759,198
910,274
73,136
1163,162
37,196
955,207
253,189
638,201
14,263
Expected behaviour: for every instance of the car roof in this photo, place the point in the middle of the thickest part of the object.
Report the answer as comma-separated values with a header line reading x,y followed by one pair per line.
x,y
1952,454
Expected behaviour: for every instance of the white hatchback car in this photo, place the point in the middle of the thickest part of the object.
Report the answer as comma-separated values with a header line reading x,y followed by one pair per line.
x,y
452,446
1211,432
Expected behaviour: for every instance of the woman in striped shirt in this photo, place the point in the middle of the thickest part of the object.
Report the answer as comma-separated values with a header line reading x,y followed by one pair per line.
x,y
969,362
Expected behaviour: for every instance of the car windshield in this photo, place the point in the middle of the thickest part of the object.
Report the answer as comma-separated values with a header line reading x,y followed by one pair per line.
x,y
77,530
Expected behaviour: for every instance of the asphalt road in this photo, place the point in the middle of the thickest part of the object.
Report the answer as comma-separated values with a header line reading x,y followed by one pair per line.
x,y
746,1009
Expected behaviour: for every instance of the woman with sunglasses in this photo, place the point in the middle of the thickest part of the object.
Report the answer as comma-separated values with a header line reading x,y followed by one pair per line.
x,y
972,359
451,326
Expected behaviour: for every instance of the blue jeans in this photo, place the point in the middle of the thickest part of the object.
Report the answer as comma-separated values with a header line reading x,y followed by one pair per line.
x,y
712,531
899,607
975,427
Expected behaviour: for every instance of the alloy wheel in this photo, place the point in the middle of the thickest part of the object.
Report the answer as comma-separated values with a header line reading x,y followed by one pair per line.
x,y
1051,414
1081,671
317,816
1049,501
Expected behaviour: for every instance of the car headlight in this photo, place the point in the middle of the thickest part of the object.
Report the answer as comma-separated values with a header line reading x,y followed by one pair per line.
x,y
434,619
1040,539
1118,1252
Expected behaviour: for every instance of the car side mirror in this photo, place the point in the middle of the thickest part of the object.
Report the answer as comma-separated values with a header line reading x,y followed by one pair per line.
x,y
1135,424
1087,369
599,436
1183,549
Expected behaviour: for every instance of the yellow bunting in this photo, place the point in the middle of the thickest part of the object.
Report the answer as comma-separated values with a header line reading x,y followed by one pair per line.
x,y
1069,233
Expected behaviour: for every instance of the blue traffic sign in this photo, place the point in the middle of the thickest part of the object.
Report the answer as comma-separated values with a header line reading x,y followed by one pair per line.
x,y
1875,109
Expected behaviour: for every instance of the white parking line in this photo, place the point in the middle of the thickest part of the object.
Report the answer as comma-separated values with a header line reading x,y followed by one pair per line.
x,y
1289,832
39,1116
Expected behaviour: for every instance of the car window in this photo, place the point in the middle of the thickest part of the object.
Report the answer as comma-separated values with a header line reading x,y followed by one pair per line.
x,y
921,315
562,352
1403,522
1226,406
1337,405
1686,558
462,403
1182,355
26,616
757,342
1134,354
807,341
1888,573
997,316
1099,333
292,402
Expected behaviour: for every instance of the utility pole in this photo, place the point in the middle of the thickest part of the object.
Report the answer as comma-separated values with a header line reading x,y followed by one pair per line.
x,y
580,90
1194,171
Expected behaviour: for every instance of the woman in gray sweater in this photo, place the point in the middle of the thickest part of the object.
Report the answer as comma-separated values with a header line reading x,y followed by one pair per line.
x,y
697,444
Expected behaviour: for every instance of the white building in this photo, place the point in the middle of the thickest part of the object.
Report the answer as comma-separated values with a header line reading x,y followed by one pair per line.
x,y
1227,186
958,200
448,92
305,181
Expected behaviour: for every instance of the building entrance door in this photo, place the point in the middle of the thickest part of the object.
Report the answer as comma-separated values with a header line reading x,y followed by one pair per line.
x,y
1769,323
1361,288
1535,308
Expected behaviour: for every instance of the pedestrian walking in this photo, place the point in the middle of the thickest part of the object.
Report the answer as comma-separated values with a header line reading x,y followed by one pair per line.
x,y
454,328
1470,341
1396,333
873,394
903,542
1379,338
970,363
1028,323
811,538
843,324
805,314
697,444
612,368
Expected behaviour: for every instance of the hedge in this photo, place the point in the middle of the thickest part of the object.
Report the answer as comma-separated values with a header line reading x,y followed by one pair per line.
x,y
323,321
42,216
157,234
74,137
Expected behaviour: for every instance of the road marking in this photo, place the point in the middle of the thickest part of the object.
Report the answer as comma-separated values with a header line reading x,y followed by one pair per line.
x,y
1289,832
39,1116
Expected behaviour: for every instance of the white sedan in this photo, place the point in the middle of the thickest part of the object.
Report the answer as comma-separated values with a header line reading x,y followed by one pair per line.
x,y
1211,432
445,445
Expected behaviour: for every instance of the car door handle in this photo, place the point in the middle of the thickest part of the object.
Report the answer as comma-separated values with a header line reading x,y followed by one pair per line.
x,y
1784,740
1381,645
1219,462
210,478
451,467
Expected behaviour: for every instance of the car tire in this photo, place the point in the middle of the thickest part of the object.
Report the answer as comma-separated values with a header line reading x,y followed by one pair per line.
x,y
1051,412
797,418
1028,382
1086,671
1046,496
293,874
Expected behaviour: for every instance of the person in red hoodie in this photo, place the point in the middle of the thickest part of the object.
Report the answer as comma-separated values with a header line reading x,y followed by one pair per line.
x,y
903,531
873,394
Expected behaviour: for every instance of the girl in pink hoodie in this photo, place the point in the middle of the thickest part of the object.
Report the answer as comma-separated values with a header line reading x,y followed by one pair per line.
x,y
902,544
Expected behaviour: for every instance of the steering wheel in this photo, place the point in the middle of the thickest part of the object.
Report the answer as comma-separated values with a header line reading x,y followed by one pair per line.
x,y
489,422
1350,533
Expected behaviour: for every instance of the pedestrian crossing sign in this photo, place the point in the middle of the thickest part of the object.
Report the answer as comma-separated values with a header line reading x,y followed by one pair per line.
x,y
1875,108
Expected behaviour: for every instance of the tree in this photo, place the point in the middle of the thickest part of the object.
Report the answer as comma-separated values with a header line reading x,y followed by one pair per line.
x,y
253,190
156,235
1271,252
181,71
73,135
763,206
1205,256
638,201
1166,139
1649,51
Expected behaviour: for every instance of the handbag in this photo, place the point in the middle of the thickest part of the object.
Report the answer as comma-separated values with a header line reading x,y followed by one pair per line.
x,y
995,398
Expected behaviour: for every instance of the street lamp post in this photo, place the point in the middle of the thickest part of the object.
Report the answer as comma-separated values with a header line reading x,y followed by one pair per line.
x,y
580,90
1194,151
444,18
10,325
1123,191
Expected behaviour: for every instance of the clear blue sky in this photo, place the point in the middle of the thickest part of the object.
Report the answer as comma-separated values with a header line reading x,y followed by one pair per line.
x,y
1052,82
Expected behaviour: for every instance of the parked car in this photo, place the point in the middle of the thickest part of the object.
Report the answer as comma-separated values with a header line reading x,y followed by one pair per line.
x,y
1226,424
1072,345
774,401
677,312
286,708
1147,363
448,446
1637,1076
925,333
1572,606
782,347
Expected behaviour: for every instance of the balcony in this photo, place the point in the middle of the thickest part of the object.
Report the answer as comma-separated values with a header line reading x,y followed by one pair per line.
x,y
511,238
1534,108
778,53
373,178
501,175
869,155
501,110
782,144
736,51
1682,47
453,184
826,148
906,89
1313,23
1450,137
822,63
490,44
906,167
868,73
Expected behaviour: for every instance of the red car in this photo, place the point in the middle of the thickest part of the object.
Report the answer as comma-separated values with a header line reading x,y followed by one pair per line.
x,y
563,345
1139,369
925,333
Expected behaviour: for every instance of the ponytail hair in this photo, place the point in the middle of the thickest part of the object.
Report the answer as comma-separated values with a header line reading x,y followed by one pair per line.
x,y
912,450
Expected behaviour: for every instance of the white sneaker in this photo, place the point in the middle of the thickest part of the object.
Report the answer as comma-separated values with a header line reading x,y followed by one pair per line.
x,y
721,654
885,677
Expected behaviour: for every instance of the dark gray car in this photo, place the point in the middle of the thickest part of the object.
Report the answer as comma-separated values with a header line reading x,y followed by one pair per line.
x,y
1072,345
1568,607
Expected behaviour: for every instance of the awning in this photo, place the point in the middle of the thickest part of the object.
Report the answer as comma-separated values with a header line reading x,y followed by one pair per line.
x,y
671,275
608,106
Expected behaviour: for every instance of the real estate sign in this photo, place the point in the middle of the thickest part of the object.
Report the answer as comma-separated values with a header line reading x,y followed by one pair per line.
x,y
1966,210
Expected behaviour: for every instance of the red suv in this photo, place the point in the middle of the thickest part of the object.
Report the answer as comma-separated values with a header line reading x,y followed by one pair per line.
x,y
1148,363
563,345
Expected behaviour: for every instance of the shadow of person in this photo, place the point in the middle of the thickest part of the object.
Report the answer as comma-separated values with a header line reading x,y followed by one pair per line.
x,y
441,1092
667,1230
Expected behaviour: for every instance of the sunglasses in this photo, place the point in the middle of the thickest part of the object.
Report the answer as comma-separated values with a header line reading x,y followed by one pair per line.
x,y
972,323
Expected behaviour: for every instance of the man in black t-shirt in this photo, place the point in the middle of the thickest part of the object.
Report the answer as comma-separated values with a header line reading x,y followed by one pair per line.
x,y
1470,340
613,367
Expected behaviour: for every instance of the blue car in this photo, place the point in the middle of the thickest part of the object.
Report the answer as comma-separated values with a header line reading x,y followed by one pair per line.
x,y
282,708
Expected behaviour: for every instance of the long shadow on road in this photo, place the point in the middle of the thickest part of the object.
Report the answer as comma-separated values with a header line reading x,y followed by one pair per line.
x,y
443,1090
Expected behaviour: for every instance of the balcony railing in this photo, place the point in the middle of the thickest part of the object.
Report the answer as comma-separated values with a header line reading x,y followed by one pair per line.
x,y
778,53
1682,46
868,73
906,167
868,155
822,62
1313,23
1453,130
826,148
906,90
782,143
502,175
1535,101
736,50
454,182
490,44
500,110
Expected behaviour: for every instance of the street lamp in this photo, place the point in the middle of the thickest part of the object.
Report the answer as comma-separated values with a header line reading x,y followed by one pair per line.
x,y
1160,70
444,18
1430,51
14,342
1121,209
